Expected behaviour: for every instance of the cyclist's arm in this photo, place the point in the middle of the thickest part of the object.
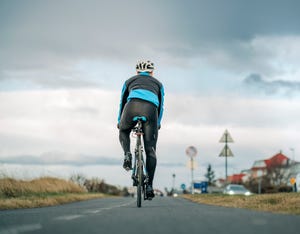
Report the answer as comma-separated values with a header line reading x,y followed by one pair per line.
x,y
123,100
161,105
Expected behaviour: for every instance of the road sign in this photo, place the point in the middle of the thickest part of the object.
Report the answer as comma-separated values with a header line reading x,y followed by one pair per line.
x,y
191,151
226,152
293,180
226,137
183,186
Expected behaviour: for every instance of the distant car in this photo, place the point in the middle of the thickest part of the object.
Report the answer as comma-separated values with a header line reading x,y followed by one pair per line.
x,y
236,189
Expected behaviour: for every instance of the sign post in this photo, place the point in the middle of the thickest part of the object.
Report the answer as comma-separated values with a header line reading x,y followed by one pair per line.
x,y
191,152
226,152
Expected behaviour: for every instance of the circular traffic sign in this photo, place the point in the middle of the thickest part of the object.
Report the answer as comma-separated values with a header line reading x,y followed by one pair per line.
x,y
191,151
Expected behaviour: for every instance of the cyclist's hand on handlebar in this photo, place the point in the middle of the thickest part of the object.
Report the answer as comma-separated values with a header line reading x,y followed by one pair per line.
x,y
159,126
118,126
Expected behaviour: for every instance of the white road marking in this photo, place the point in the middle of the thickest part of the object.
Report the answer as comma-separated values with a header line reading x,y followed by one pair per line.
x,y
95,211
68,217
90,212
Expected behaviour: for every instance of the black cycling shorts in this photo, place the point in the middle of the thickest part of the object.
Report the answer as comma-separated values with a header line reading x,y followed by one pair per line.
x,y
138,107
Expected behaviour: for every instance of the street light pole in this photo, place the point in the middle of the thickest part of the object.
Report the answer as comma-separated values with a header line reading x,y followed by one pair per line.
x,y
173,187
192,174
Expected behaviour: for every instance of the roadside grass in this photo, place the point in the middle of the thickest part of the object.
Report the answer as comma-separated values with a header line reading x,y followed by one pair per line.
x,y
284,203
45,191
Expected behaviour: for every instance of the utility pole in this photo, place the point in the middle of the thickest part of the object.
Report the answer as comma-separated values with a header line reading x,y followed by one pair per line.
x,y
293,150
173,187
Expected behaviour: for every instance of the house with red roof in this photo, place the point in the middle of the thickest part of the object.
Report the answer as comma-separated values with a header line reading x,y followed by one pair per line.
x,y
278,162
261,167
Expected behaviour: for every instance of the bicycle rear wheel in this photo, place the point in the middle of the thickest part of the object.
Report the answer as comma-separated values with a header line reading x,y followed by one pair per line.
x,y
140,177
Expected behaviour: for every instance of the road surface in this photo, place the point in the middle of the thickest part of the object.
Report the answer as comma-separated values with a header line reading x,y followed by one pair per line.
x,y
161,215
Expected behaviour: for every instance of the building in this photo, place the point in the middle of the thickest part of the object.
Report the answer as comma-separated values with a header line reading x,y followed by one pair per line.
x,y
263,167
279,168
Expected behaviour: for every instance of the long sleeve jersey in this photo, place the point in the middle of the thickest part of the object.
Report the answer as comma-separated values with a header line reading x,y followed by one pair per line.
x,y
145,87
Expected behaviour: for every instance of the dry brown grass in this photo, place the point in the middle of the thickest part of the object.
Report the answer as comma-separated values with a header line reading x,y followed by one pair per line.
x,y
44,191
285,203
14,188
41,201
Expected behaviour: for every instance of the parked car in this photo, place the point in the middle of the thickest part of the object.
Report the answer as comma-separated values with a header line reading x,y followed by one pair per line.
x,y
236,189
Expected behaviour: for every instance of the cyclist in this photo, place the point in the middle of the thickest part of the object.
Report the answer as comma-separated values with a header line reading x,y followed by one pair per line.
x,y
142,95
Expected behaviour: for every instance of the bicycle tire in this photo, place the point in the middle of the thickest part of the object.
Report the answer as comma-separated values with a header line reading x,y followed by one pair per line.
x,y
140,177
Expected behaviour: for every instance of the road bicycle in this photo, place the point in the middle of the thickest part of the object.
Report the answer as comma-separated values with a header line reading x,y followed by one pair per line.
x,y
139,173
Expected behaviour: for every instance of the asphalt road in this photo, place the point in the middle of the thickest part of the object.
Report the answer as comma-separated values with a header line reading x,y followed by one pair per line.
x,y
161,215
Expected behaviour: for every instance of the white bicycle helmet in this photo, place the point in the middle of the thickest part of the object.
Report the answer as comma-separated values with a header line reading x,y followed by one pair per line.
x,y
144,66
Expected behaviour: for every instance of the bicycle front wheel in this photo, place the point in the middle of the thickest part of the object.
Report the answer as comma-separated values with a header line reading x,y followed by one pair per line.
x,y
140,178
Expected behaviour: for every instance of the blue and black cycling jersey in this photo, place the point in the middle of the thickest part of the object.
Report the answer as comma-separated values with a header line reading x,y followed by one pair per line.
x,y
144,87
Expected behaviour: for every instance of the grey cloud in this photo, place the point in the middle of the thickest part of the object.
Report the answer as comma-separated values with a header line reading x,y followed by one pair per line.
x,y
256,82
237,19
89,29
50,35
99,28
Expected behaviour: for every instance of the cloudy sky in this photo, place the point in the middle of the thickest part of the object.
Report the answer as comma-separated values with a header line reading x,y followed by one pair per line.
x,y
225,65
